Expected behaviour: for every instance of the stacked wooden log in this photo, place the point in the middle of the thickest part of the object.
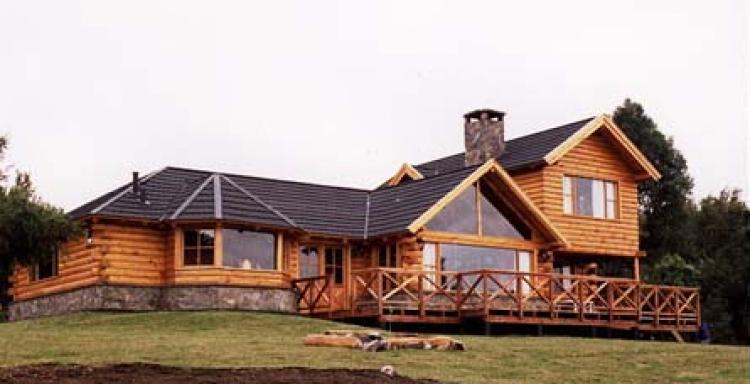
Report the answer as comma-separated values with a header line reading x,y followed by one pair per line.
x,y
375,341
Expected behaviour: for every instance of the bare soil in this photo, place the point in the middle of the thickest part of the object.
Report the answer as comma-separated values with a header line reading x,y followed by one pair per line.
x,y
152,373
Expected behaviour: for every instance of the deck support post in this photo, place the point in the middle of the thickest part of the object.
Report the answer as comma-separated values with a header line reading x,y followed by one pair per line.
x,y
487,328
540,330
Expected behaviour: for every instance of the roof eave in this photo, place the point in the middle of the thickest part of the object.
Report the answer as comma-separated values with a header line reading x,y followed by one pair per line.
x,y
592,126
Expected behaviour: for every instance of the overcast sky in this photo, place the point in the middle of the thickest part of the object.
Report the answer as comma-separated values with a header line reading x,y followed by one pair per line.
x,y
344,92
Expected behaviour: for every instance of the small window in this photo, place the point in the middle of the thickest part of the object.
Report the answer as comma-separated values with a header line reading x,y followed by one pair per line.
x,y
387,257
610,191
589,197
46,268
309,261
335,264
248,249
198,246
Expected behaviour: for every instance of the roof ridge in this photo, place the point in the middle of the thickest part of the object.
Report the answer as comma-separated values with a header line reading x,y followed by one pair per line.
x,y
218,204
547,130
125,190
259,201
440,175
367,215
229,174
192,197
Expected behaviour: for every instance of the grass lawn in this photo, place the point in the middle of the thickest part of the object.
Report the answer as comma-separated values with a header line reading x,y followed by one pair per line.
x,y
236,339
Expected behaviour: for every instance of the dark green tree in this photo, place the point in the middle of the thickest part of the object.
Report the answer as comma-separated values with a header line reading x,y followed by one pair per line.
x,y
721,233
665,204
30,229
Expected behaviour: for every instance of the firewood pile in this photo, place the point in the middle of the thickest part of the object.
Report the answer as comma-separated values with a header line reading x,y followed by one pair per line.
x,y
372,341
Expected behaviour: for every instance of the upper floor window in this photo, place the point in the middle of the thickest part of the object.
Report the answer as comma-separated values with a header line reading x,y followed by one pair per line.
x,y
584,196
198,246
46,268
248,249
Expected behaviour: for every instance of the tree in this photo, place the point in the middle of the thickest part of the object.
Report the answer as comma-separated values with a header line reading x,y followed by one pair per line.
x,y
721,233
665,204
30,229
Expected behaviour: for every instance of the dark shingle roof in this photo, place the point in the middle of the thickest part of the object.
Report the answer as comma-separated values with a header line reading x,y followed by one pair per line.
x,y
393,209
521,152
188,194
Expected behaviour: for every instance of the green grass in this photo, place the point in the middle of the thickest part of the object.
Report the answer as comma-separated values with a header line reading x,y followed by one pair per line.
x,y
236,339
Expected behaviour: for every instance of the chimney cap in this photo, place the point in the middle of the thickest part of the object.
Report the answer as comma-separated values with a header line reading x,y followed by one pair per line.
x,y
491,113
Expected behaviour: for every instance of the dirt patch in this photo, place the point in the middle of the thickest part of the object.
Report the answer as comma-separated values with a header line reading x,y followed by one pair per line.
x,y
151,373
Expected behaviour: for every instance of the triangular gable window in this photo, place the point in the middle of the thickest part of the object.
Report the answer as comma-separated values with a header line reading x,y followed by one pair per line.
x,y
462,215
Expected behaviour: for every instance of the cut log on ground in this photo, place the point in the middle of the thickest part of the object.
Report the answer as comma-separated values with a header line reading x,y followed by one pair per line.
x,y
374,341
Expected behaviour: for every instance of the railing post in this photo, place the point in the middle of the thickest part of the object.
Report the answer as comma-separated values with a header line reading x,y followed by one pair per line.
x,y
420,295
610,301
519,293
329,288
459,293
485,295
638,301
380,292
657,310
698,308
580,300
551,301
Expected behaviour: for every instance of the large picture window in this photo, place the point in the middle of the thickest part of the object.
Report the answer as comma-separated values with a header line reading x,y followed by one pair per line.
x,y
463,258
198,246
477,211
248,249
584,196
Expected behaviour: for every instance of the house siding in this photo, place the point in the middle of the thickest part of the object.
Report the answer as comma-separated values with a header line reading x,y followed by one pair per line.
x,y
594,157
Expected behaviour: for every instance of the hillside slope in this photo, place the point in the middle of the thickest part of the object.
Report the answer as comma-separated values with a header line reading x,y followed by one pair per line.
x,y
235,339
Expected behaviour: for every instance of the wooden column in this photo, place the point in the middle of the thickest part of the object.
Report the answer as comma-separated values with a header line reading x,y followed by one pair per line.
x,y
637,268
177,248
218,247
280,251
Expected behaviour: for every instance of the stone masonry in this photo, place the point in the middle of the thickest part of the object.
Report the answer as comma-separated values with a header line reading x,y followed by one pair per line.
x,y
176,298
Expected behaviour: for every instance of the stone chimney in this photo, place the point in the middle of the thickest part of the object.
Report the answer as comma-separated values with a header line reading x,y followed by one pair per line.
x,y
484,136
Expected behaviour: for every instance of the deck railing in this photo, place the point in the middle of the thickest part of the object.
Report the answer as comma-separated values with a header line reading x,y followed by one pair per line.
x,y
507,296
314,294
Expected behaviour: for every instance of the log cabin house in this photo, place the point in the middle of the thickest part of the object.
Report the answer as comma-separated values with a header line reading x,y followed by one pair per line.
x,y
541,229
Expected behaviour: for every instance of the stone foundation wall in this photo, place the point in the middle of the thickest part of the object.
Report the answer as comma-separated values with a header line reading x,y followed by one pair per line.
x,y
129,298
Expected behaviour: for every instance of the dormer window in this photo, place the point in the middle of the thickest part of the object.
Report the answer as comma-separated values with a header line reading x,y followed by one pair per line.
x,y
583,196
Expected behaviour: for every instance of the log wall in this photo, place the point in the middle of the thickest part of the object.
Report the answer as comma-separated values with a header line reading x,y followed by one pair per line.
x,y
79,265
130,254
595,157
133,255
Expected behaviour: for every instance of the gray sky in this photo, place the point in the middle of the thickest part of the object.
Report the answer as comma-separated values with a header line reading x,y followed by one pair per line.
x,y
344,92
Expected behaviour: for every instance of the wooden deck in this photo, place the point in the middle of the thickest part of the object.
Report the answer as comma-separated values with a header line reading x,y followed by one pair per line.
x,y
497,296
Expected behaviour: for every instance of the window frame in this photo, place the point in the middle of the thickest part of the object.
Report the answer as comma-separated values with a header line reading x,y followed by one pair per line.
x,y
477,207
34,269
335,267
572,198
321,259
198,247
391,255
275,253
